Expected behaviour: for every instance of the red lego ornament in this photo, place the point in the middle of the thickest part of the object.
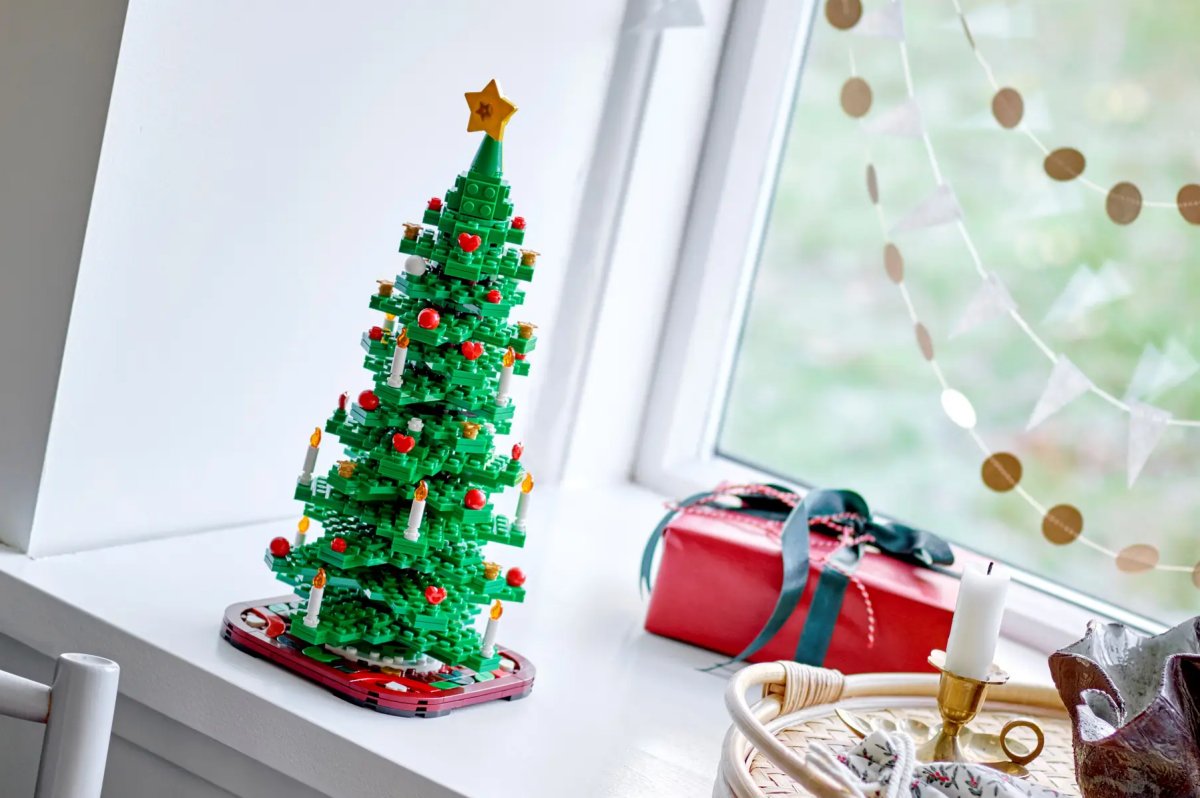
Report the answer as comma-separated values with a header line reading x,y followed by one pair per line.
x,y
343,399
518,222
429,319
435,203
367,400
518,450
471,350
468,242
515,577
475,499
280,547
338,544
493,296
375,333
435,594
403,443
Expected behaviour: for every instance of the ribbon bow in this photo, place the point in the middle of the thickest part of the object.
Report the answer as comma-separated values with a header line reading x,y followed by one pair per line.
x,y
842,513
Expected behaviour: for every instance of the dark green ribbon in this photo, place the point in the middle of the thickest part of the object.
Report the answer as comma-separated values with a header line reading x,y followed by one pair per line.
x,y
830,512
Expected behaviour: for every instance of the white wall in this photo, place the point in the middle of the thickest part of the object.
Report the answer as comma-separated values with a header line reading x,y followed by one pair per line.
x,y
57,60
258,163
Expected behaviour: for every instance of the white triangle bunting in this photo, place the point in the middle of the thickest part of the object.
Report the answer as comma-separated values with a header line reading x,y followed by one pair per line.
x,y
1158,372
886,22
1087,290
672,14
940,207
903,120
1066,384
991,300
1146,427
1001,20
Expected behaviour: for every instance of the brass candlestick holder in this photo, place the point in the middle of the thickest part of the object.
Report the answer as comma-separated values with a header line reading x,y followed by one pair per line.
x,y
959,701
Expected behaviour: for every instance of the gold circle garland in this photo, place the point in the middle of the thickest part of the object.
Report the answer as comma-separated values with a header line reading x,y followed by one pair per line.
x,y
1123,202
1061,524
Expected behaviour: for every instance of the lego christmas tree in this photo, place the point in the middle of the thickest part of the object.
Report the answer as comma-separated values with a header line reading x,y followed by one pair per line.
x,y
389,597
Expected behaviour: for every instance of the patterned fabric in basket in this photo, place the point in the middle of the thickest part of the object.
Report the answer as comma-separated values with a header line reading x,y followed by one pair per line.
x,y
884,766
1054,768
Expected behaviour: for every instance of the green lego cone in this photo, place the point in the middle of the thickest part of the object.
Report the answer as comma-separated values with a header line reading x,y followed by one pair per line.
x,y
489,158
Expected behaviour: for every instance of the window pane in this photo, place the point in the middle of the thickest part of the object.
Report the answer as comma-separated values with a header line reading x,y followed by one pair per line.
x,y
829,386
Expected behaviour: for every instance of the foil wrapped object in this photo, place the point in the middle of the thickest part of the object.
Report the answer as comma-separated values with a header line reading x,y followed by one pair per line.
x,y
1135,705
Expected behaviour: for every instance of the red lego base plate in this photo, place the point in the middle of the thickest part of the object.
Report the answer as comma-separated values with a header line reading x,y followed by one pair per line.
x,y
265,636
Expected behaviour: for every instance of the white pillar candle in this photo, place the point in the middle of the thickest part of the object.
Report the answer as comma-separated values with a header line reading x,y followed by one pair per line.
x,y
489,633
976,626
399,358
310,457
510,358
416,512
312,616
523,502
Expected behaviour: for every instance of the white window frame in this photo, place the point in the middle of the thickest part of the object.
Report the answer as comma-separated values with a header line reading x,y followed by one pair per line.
x,y
764,49
765,45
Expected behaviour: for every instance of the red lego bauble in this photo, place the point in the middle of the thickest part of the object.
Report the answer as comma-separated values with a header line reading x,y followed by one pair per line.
x,y
339,545
515,577
429,319
468,242
403,443
475,499
518,450
518,222
471,350
435,595
493,296
518,355
367,400
435,203
375,333
280,547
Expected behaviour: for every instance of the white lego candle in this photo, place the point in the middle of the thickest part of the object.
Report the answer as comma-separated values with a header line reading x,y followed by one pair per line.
x,y
489,633
312,616
399,358
523,501
510,359
301,530
310,457
975,630
416,512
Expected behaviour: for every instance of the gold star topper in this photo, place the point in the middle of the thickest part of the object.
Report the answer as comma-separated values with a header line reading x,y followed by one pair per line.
x,y
490,111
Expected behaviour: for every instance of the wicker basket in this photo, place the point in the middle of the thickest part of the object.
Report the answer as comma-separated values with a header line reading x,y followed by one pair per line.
x,y
764,751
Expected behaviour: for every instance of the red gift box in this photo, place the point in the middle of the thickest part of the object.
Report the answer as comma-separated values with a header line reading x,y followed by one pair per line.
x,y
719,579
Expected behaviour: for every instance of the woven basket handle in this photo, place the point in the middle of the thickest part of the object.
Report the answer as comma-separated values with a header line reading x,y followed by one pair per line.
x,y
786,688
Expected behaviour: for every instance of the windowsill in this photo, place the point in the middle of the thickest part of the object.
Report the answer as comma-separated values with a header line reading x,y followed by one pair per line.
x,y
615,711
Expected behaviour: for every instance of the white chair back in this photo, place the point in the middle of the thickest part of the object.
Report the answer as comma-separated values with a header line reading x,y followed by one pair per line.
x,y
78,712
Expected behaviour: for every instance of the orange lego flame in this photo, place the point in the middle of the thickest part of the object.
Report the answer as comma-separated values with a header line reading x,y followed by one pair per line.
x,y
421,492
527,483
314,440
510,357
497,610
402,338
302,526
319,579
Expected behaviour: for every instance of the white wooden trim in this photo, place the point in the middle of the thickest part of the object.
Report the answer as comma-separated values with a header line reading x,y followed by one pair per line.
x,y
764,48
